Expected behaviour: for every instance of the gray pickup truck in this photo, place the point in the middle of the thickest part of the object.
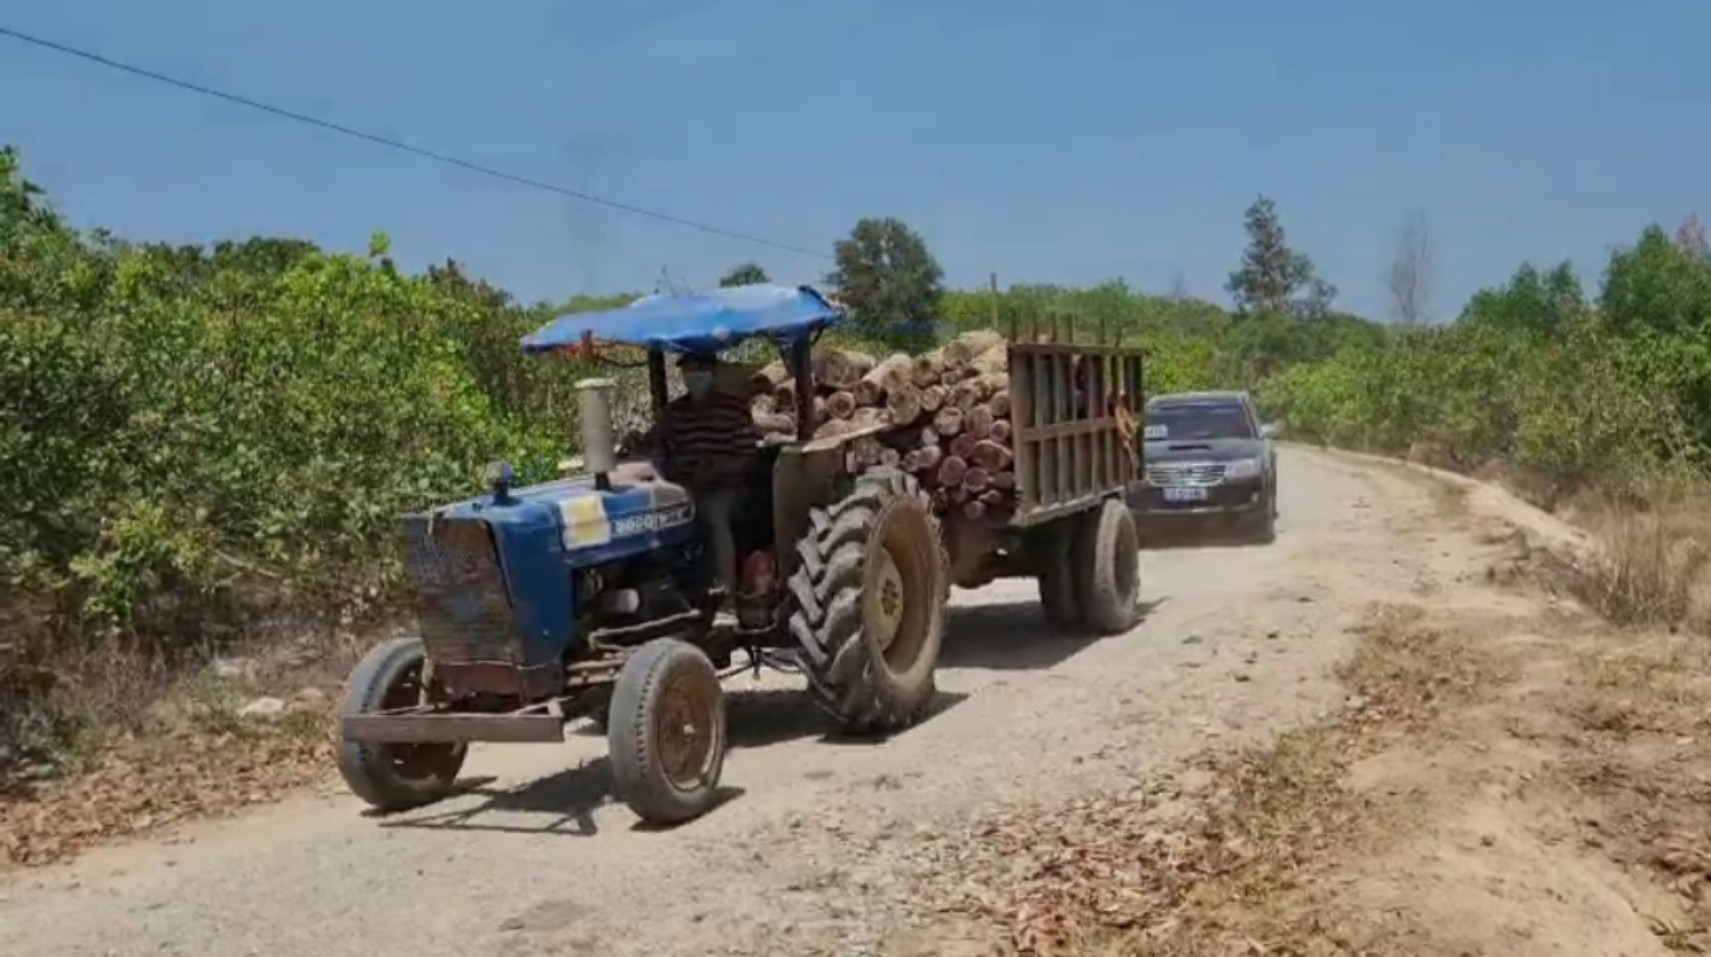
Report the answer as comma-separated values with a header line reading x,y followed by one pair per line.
x,y
1208,459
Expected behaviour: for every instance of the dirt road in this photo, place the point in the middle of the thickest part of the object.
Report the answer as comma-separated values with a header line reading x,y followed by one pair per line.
x,y
819,843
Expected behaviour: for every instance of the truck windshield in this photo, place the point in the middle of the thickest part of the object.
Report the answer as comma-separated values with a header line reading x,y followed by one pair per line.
x,y
1179,423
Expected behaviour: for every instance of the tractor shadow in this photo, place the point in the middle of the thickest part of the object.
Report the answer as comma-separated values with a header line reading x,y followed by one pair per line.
x,y
561,805
1013,636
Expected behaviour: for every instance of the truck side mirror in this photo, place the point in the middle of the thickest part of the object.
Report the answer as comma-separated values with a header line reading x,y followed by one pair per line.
x,y
1269,430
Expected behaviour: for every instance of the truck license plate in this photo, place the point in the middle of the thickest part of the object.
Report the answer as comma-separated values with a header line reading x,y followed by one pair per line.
x,y
1179,495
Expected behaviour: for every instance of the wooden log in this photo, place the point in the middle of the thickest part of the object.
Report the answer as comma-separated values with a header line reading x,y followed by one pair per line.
x,y
928,458
769,377
929,437
991,456
948,422
822,412
904,403
1004,481
1000,431
978,421
951,471
963,445
992,497
784,394
974,510
1000,404
995,359
774,422
867,393
840,369
957,495
965,347
940,500
841,405
911,461
894,372
951,376
976,480
967,395
932,399
867,417
890,457
925,370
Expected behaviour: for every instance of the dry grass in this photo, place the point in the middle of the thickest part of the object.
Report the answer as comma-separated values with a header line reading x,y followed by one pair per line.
x,y
1654,565
148,744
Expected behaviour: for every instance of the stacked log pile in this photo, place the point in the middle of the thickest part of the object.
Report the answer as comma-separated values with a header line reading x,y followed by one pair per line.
x,y
944,416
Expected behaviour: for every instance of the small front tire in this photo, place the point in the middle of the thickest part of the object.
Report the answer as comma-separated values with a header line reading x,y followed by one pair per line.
x,y
394,777
666,732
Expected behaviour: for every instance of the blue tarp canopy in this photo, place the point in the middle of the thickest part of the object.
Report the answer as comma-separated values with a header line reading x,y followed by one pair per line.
x,y
694,322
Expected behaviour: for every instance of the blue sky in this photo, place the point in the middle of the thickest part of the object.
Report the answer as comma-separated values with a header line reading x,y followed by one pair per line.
x,y
1063,142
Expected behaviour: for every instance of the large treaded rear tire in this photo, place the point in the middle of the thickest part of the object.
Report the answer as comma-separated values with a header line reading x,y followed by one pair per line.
x,y
666,734
393,777
843,602
1109,564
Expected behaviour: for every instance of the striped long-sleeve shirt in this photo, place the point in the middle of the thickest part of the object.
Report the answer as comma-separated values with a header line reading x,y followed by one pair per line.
x,y
709,444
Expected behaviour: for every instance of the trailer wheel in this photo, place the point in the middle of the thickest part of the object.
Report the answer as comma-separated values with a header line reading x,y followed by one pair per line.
x,y
666,732
867,603
1108,559
1057,575
393,777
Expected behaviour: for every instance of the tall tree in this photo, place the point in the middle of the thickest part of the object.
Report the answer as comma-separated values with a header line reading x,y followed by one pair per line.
x,y
745,275
1275,278
886,274
1409,277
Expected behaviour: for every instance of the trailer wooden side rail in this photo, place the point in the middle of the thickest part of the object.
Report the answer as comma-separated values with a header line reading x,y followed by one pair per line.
x,y
1075,409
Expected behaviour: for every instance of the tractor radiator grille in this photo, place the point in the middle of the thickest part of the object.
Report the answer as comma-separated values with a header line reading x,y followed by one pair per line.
x,y
461,605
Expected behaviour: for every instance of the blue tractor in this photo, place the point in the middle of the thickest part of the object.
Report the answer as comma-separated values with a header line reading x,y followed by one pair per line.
x,y
589,597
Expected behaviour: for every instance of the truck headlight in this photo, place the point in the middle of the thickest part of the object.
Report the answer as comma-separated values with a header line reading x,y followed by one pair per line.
x,y
1240,469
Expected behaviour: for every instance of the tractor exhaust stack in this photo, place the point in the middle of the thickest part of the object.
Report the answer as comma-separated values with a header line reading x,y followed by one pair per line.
x,y
599,448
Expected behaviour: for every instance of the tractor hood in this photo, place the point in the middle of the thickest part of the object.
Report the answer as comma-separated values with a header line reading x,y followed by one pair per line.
x,y
636,513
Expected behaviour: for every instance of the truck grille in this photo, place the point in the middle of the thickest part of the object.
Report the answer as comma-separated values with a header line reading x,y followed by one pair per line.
x,y
461,604
1166,474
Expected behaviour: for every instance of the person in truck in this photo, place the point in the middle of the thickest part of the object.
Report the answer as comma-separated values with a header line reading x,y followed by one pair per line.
x,y
709,444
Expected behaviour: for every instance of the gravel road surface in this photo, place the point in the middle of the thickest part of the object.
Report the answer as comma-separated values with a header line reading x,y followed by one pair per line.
x,y
819,844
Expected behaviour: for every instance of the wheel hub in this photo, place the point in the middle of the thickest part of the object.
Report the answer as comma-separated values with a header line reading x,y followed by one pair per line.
x,y
885,600
684,739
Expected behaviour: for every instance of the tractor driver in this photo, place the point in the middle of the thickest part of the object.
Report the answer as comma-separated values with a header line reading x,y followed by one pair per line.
x,y
709,444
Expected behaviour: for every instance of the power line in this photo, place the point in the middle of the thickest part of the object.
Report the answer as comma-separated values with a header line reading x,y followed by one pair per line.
x,y
400,145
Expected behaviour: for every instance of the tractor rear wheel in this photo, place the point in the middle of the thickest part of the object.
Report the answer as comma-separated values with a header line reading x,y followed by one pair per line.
x,y
867,602
1108,563
666,732
393,777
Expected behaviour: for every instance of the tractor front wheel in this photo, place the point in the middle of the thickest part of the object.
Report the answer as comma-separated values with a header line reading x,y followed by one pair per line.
x,y
393,777
866,603
666,732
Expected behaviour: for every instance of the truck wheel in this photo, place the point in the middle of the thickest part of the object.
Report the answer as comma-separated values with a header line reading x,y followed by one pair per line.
x,y
867,603
666,732
1265,530
1057,575
1108,557
393,777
